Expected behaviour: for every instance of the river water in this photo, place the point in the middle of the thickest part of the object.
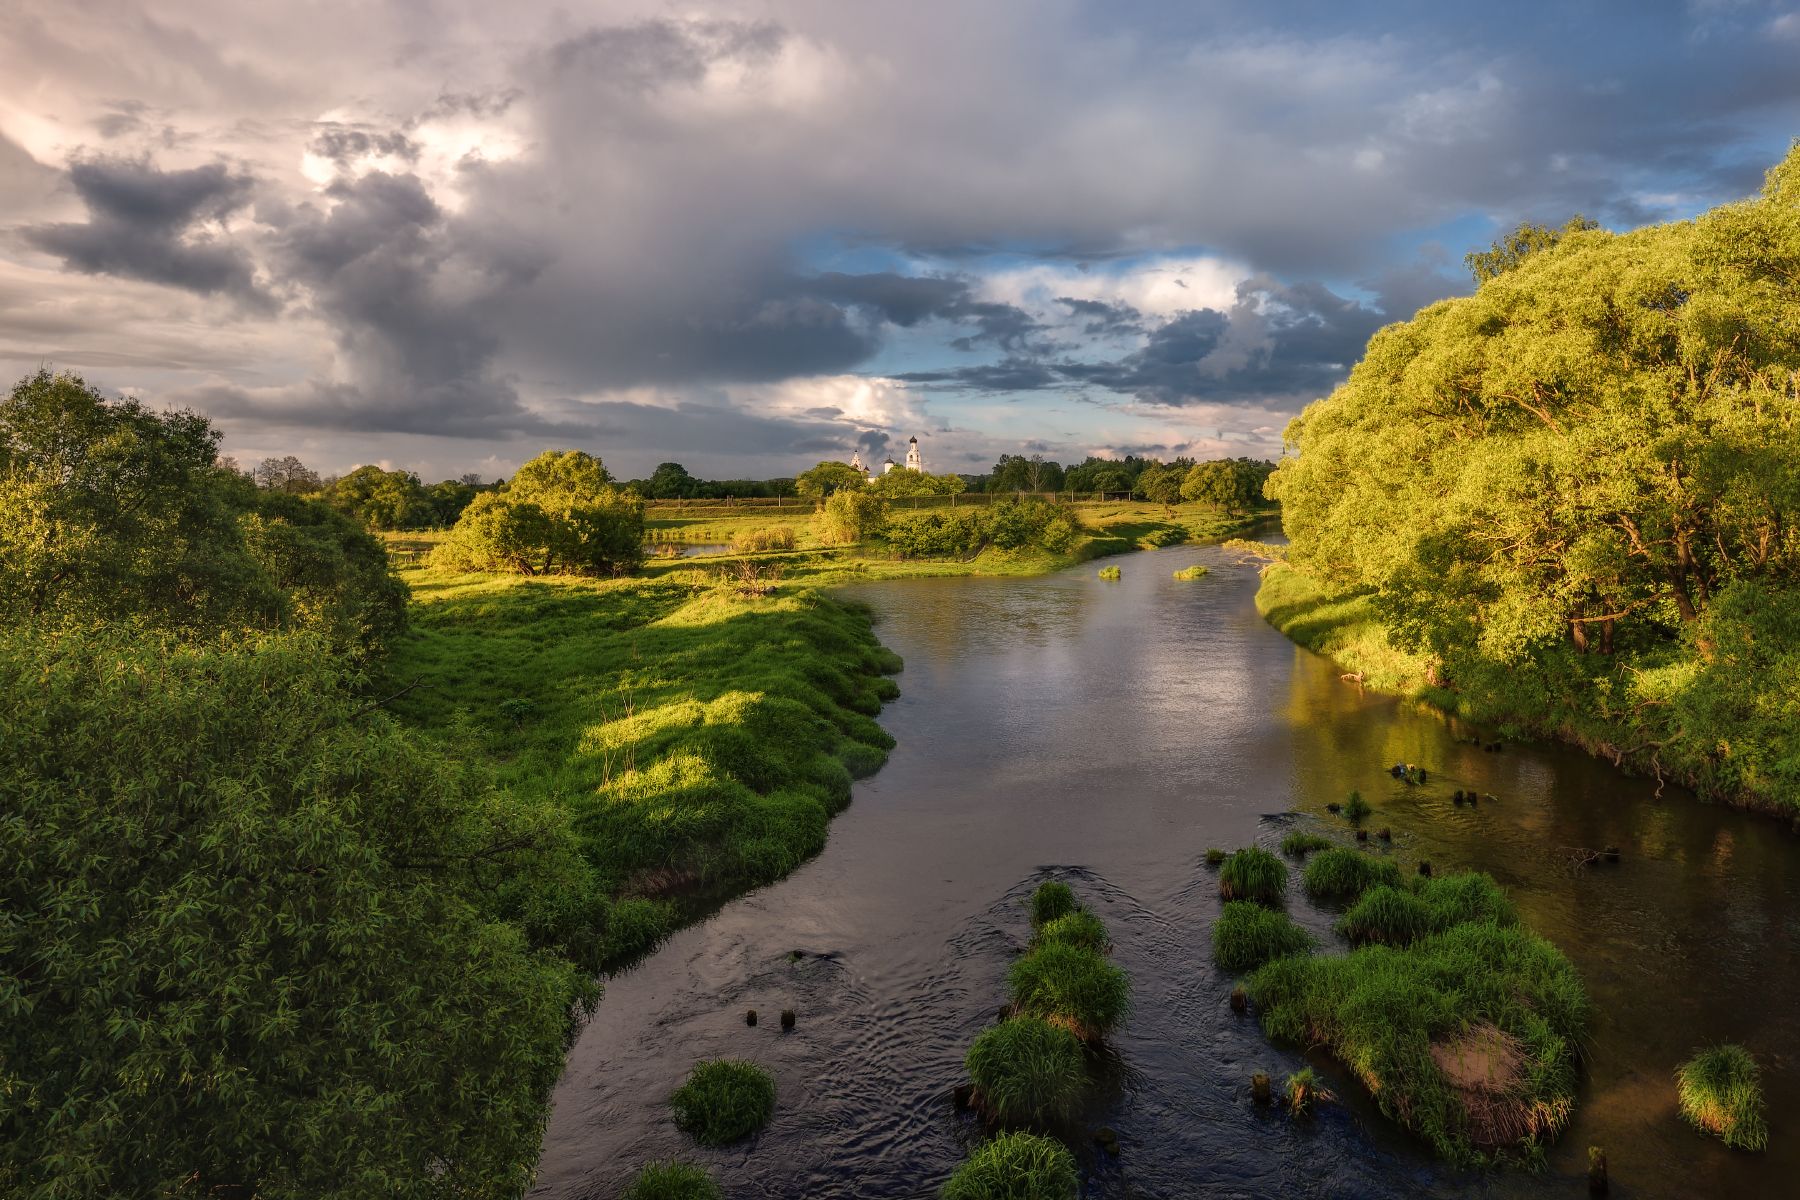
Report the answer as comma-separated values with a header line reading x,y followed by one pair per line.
x,y
1107,733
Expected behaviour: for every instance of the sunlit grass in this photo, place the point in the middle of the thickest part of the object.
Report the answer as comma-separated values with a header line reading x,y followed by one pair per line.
x,y
1720,1092
724,1100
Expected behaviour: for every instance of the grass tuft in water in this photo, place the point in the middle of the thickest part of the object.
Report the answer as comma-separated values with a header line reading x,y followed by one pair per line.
x,y
672,1181
1029,1072
1253,874
1071,986
1720,1091
1299,845
1109,572
1247,935
1194,572
1214,856
1051,900
1303,1090
1080,928
1339,875
1356,809
724,1099
1016,1166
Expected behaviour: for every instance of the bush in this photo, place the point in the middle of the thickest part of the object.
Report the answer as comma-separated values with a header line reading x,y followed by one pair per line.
x,y
1340,875
558,515
1079,928
754,541
1720,1093
1016,1166
1029,1072
1299,845
1071,986
724,1099
1253,874
1246,935
850,517
672,1181
938,534
1109,573
1194,572
1051,900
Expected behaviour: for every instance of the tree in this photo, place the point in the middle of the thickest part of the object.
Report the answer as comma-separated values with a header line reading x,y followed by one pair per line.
x,y
1228,483
449,498
560,514
901,483
245,921
850,516
671,481
1528,239
828,478
1161,485
381,499
287,474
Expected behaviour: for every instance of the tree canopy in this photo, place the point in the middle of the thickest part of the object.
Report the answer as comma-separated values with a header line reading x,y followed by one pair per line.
x,y
829,477
559,514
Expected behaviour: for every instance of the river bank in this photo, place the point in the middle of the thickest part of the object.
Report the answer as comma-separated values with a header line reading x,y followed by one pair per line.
x,y
1656,720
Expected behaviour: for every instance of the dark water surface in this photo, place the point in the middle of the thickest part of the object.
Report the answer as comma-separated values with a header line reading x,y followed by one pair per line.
x,y
1108,733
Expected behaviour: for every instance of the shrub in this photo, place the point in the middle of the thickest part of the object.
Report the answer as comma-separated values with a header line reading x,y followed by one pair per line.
x,y
849,517
1110,573
1051,900
724,1099
1253,874
672,1181
1016,1166
1194,572
1356,809
1340,875
559,515
1721,1093
1246,935
1071,986
753,541
1079,928
1299,845
1029,1072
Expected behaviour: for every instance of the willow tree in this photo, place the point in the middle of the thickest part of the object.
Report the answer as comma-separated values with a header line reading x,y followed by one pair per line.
x,y
1581,459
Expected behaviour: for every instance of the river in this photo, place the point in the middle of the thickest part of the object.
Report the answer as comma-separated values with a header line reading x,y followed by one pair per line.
x,y
1108,733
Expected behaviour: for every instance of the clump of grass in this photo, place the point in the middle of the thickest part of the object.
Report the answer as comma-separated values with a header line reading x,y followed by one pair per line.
x,y
751,541
724,1099
1397,914
1389,915
1356,809
1247,935
1079,928
672,1181
1109,572
1051,900
1071,986
1253,874
1016,1166
1340,875
1299,845
1194,572
1214,856
1029,1072
1302,1091
1721,1093
1467,1036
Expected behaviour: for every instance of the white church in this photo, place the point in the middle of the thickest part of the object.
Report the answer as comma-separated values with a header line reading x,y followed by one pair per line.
x,y
913,461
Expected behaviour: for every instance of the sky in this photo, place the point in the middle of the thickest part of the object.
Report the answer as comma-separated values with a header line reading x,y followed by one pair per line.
x,y
749,236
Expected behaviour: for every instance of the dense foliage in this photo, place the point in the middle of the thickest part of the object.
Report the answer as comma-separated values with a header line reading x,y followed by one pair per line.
x,y
1575,495
250,934
559,515
112,512
1009,524
850,516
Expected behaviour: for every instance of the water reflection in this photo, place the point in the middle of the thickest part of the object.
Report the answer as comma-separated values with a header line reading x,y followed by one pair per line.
x,y
1109,733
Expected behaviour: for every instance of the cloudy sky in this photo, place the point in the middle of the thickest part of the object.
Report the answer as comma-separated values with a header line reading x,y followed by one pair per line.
x,y
750,235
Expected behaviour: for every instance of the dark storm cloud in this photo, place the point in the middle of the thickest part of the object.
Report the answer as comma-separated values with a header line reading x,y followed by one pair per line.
x,y
343,144
146,223
1104,319
908,300
1010,375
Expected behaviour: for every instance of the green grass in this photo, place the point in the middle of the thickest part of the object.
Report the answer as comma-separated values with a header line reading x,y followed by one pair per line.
x,y
695,743
672,1181
1299,845
1344,629
1468,1036
723,1100
1029,1072
1720,1093
1071,986
1109,573
1246,935
1339,875
1253,874
1080,928
1302,1091
1214,856
1194,572
1051,900
1016,1166
1356,809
